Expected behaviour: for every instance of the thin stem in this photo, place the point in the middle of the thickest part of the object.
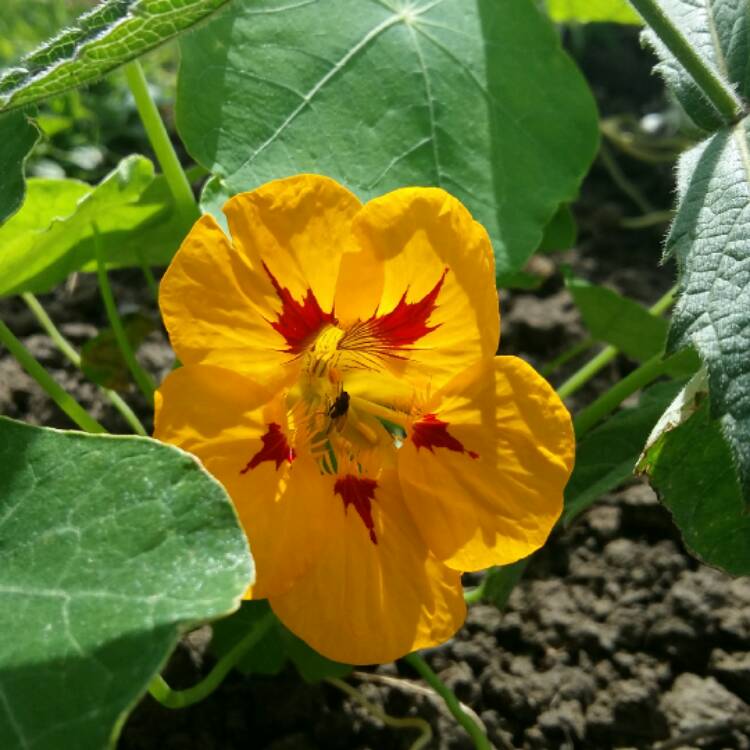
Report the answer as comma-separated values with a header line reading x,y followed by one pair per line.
x,y
566,356
142,378
474,730
65,347
582,376
609,401
579,378
719,93
415,722
161,691
621,180
61,397
148,274
159,139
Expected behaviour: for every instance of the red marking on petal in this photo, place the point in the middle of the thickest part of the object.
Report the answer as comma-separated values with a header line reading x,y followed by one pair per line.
x,y
430,432
298,322
407,322
397,329
275,448
359,492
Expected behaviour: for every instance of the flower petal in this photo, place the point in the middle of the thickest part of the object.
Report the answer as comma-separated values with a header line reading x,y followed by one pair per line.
x,y
438,311
376,593
209,299
240,433
484,468
299,228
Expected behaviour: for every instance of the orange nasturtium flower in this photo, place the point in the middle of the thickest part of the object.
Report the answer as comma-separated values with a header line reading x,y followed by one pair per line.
x,y
340,380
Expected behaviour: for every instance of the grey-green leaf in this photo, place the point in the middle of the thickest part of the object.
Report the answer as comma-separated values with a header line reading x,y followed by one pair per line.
x,y
618,320
691,469
710,241
719,31
475,96
17,137
110,548
111,34
52,235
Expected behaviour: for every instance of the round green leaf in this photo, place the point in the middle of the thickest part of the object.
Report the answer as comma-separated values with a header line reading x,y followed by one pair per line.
x,y
474,97
110,548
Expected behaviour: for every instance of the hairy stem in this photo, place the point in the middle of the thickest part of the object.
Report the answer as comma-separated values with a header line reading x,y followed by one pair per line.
x,y
717,91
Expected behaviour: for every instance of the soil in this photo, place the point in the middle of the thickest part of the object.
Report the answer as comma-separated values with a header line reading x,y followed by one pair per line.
x,y
615,637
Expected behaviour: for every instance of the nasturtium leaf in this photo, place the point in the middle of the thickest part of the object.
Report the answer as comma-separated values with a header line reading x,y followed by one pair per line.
x,y
110,548
275,649
719,31
618,320
52,235
17,137
268,655
500,581
311,666
101,357
709,239
111,34
475,96
561,231
606,457
691,469
587,11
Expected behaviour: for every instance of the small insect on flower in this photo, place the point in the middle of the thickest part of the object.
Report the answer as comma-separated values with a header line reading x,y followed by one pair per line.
x,y
339,378
338,409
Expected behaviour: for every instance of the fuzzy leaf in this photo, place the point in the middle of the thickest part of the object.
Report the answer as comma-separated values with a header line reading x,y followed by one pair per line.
x,y
719,30
111,34
110,548
709,240
473,96
17,137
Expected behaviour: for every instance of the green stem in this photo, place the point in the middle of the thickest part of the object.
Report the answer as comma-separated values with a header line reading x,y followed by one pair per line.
x,y
579,378
159,139
475,731
582,376
609,401
161,691
621,180
566,356
716,91
148,274
425,730
75,358
63,399
142,378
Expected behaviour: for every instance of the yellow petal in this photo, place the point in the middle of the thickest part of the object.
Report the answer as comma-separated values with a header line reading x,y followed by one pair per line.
x,y
483,470
299,228
210,300
241,435
438,310
376,593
